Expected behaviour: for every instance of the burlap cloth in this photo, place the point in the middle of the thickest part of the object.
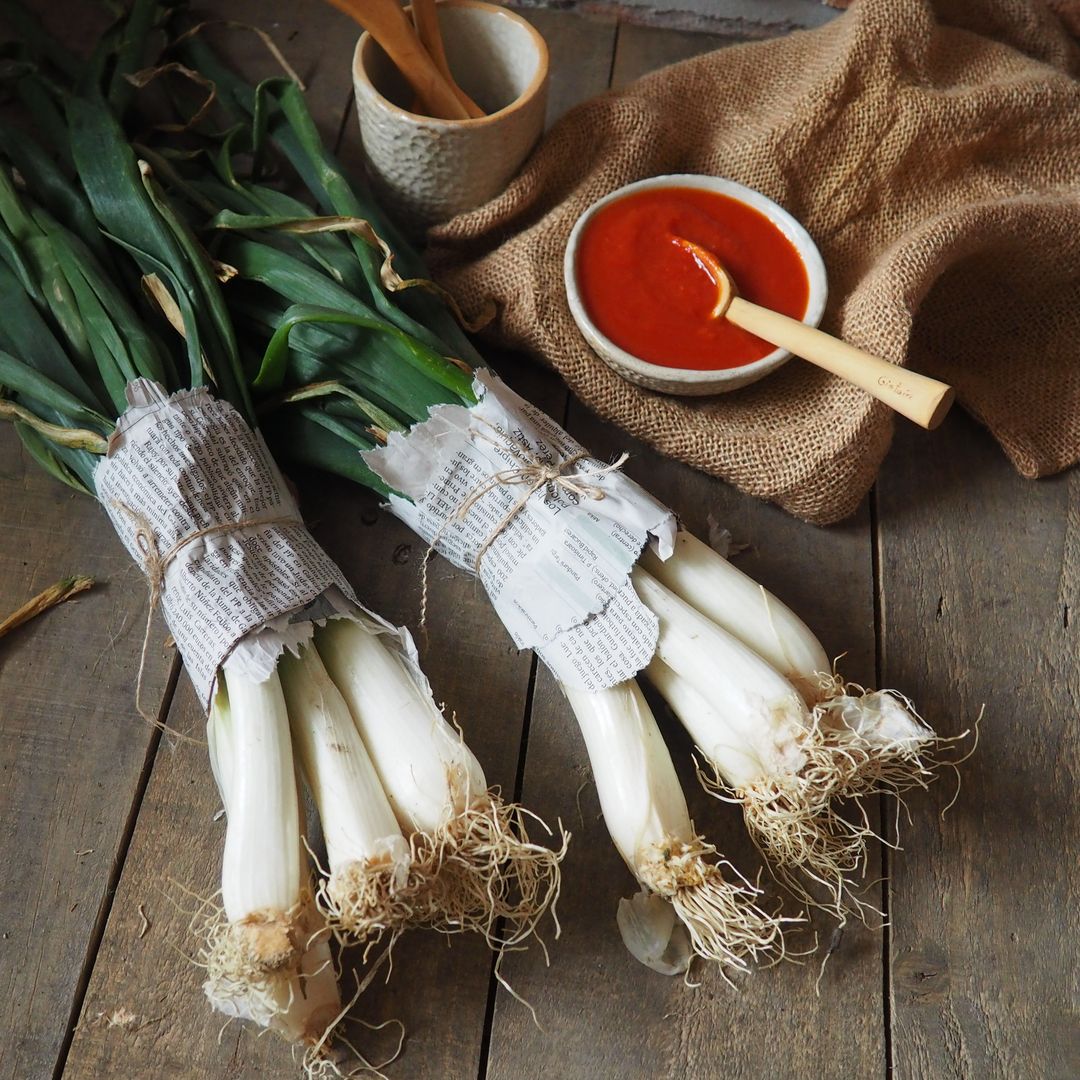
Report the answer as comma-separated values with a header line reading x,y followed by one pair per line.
x,y
932,149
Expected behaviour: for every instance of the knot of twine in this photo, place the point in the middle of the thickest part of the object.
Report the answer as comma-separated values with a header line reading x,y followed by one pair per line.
x,y
532,472
154,565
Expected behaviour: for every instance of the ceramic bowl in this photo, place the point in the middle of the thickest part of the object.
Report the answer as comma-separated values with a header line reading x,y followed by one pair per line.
x,y
428,170
685,381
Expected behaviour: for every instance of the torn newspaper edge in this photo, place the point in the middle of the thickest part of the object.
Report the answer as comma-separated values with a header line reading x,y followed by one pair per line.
x,y
240,579
556,566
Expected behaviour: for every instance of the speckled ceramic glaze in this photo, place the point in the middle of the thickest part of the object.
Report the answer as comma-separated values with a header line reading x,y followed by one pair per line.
x,y
685,381
428,170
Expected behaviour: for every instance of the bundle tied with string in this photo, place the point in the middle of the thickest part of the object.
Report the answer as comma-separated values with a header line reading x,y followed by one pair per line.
x,y
554,535
504,492
531,472
200,505
535,474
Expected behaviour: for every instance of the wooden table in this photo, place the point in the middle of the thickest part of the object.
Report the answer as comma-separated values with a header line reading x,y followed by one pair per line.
x,y
955,582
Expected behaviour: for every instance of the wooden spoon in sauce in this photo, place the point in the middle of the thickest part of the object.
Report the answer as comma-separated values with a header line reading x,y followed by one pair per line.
x,y
918,397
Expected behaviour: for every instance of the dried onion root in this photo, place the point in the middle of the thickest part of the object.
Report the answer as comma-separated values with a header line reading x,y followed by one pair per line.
x,y
781,734
493,879
297,997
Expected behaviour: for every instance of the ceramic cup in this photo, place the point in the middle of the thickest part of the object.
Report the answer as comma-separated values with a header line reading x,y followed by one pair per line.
x,y
687,381
428,170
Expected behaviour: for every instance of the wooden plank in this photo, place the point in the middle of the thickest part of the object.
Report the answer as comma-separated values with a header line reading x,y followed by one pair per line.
x,y
602,1013
979,583
74,25
72,749
581,49
315,38
74,753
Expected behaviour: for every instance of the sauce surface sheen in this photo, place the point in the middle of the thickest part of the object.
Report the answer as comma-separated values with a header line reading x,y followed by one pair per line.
x,y
651,298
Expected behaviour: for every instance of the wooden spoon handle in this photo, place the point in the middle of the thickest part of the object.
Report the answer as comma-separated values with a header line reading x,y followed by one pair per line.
x,y
426,20
389,26
918,397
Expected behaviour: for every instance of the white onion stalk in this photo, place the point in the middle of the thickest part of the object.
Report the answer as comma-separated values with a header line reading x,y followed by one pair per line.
x,y
487,868
647,817
737,603
374,884
266,950
788,765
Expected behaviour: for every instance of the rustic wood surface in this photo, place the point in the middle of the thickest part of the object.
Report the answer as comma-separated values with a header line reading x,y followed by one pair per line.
x,y
979,573
959,591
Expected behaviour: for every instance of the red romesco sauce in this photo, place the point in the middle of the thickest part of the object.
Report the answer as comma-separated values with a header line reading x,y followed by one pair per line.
x,y
651,298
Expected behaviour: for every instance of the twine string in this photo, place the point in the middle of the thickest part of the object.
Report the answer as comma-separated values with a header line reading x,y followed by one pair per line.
x,y
155,564
530,471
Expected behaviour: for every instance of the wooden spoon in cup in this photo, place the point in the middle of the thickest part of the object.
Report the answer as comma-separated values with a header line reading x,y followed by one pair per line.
x,y
387,23
918,397
425,18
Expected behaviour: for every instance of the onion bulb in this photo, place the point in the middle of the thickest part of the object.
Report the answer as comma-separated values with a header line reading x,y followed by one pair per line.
x,y
266,950
373,883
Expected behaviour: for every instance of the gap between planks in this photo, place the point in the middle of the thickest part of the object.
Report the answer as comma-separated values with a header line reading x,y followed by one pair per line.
x,y
117,868
519,783
884,801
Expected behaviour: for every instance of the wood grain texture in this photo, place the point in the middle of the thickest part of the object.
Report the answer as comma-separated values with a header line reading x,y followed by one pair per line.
x,y
979,573
72,749
642,49
603,1013
317,40
582,51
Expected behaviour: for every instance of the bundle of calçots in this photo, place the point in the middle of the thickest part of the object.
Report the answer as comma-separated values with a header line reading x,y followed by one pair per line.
x,y
113,329
779,732
345,352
